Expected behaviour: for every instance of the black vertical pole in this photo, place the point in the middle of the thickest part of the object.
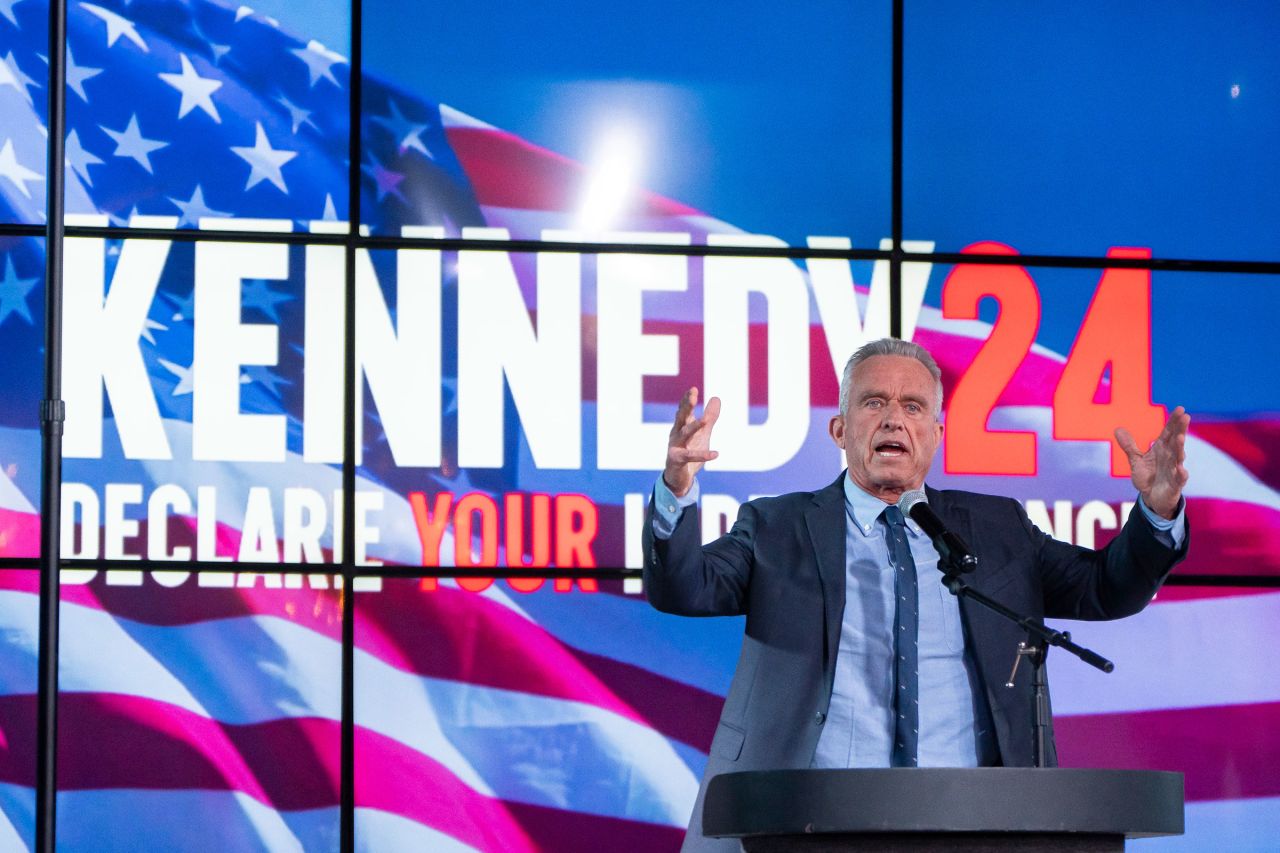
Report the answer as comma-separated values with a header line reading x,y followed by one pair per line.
x,y
895,202
51,418
347,819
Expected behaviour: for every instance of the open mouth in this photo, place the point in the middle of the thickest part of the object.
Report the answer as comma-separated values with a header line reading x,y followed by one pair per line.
x,y
891,449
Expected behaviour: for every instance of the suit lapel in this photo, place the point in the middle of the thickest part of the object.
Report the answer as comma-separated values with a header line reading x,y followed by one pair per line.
x,y
825,521
989,577
956,517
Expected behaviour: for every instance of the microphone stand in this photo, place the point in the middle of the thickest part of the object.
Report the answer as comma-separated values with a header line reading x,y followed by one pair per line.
x,y
1035,649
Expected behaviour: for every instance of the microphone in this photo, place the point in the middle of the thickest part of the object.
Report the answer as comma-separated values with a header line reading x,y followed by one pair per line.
x,y
952,551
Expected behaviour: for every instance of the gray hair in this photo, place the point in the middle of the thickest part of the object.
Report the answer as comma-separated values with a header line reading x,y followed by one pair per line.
x,y
889,346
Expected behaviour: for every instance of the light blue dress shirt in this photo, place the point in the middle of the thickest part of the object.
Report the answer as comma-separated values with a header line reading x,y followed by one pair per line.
x,y
955,722
859,728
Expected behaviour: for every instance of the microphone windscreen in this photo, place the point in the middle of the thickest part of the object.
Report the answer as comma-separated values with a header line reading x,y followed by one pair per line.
x,y
910,500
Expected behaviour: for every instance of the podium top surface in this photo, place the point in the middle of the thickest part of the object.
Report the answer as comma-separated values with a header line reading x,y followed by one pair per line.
x,y
1132,803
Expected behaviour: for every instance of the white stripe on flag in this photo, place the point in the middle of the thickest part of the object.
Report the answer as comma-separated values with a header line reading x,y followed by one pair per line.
x,y
1183,654
1240,826
94,821
486,735
379,832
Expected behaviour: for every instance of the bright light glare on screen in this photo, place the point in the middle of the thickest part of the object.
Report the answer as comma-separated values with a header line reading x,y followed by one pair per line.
x,y
613,172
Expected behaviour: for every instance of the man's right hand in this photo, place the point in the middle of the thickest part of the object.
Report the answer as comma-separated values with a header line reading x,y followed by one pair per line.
x,y
689,447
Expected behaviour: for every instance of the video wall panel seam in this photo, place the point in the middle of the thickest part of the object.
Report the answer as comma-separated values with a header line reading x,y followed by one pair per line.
x,y
1164,264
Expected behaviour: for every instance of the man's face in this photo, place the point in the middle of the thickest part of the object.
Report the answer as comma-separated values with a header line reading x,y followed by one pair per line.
x,y
891,431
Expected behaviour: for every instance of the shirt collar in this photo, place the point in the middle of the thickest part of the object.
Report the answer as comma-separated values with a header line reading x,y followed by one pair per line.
x,y
865,509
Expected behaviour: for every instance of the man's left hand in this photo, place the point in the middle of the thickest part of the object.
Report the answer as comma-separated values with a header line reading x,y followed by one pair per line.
x,y
1158,474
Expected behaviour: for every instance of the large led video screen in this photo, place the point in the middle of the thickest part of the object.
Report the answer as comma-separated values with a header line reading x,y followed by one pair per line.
x,y
512,409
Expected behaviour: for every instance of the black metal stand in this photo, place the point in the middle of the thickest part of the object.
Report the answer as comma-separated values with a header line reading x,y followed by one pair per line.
x,y
1036,653
1036,649
52,415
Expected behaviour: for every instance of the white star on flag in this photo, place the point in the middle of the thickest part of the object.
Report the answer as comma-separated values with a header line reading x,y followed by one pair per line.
x,y
195,209
297,114
6,9
258,294
121,221
131,143
11,75
77,74
149,326
182,308
79,159
196,90
264,377
265,161
116,26
183,374
217,50
13,293
407,134
386,181
319,60
17,174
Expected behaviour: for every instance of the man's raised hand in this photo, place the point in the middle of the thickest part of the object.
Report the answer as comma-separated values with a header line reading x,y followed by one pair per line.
x,y
1158,474
689,446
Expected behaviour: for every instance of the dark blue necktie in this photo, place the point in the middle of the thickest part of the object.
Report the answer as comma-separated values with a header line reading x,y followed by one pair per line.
x,y
906,623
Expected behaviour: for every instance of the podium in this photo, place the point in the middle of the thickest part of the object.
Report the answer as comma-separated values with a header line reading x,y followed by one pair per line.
x,y
943,809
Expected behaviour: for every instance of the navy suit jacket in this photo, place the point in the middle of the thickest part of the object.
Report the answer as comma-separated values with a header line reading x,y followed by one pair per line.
x,y
783,566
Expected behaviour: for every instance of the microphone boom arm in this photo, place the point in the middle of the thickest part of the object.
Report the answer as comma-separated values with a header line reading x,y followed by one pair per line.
x,y
955,559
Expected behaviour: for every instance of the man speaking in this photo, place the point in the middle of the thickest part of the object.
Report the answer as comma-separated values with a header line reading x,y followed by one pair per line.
x,y
855,655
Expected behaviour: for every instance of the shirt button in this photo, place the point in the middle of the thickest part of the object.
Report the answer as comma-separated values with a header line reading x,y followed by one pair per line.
x,y
819,718
670,508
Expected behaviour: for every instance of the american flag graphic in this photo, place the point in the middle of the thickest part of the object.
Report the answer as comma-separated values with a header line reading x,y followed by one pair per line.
x,y
198,717
211,716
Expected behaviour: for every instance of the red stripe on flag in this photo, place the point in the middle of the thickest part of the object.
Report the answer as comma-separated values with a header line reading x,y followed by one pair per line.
x,y
19,534
1232,537
1032,383
576,832
676,710
111,741
446,633
1228,752
1169,593
507,171
462,636
1251,443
